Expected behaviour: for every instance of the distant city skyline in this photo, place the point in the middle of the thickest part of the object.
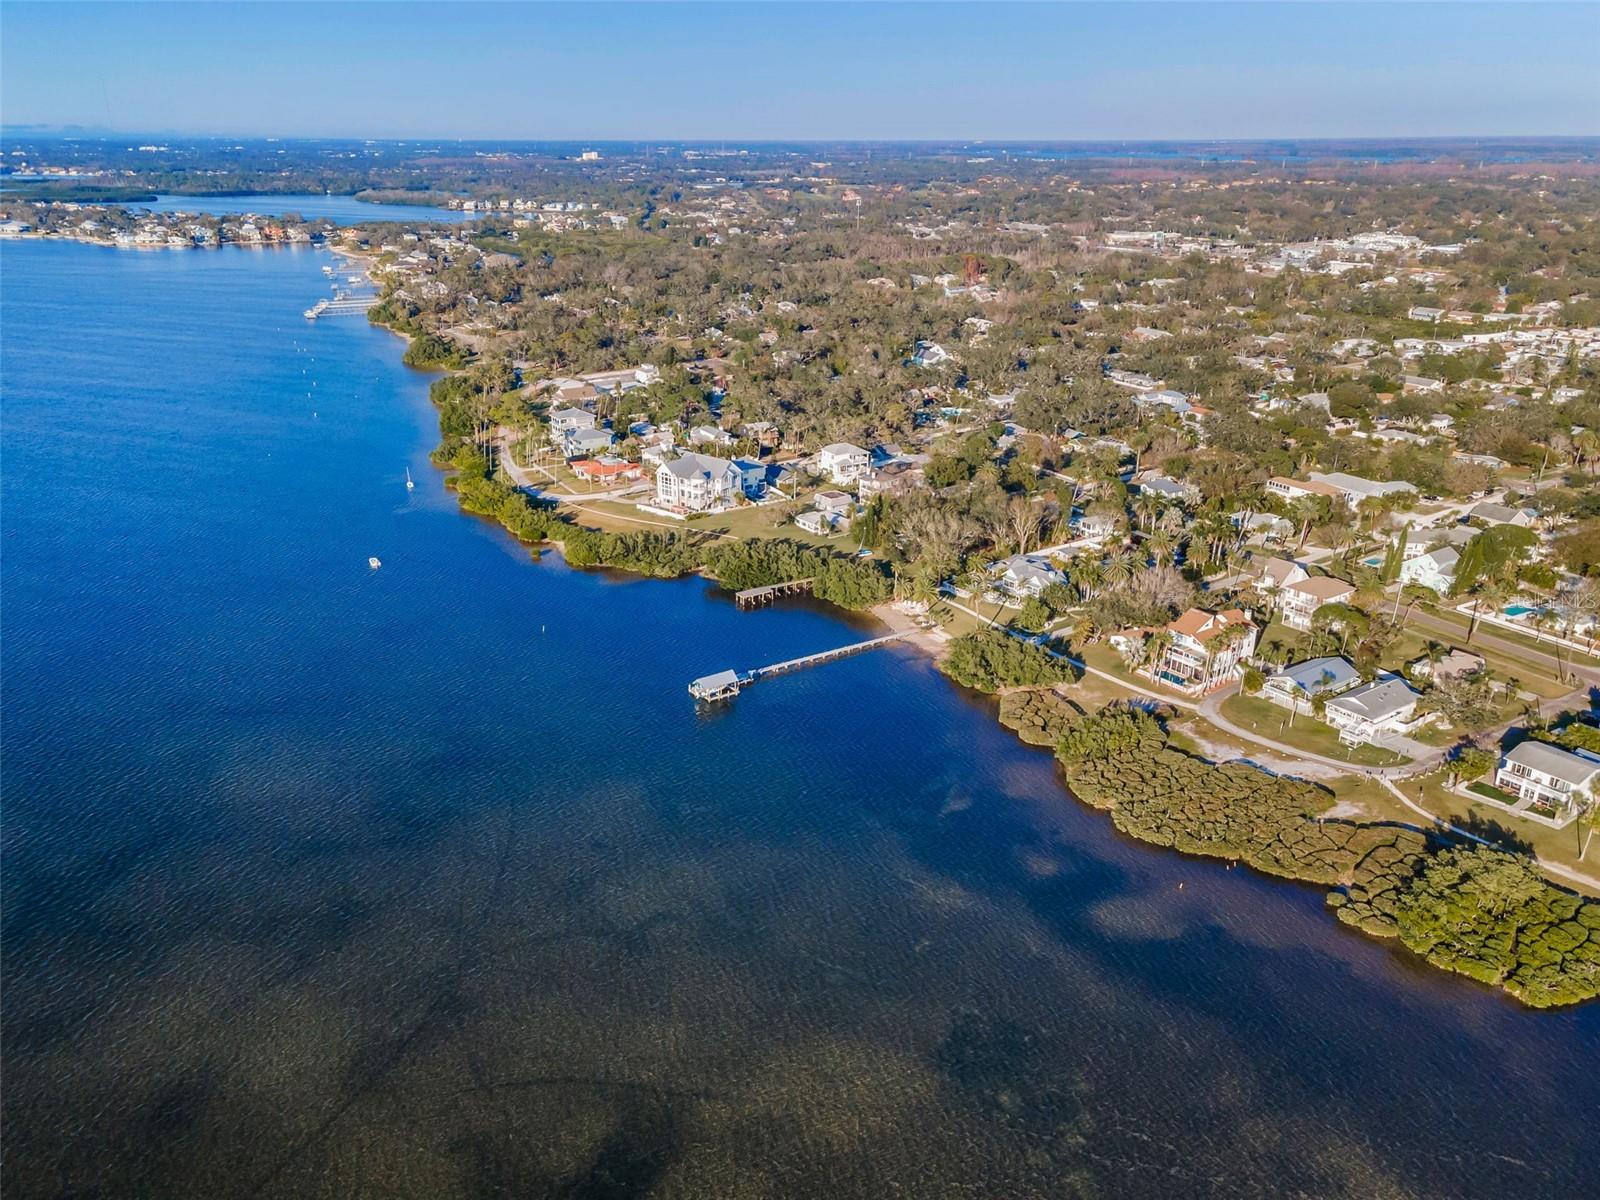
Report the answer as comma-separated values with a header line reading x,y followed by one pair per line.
x,y
601,72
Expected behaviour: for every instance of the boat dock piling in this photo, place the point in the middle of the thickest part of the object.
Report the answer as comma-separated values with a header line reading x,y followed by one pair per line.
x,y
725,685
340,306
757,596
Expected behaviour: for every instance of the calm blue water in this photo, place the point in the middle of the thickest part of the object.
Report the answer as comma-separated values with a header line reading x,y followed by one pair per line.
x,y
342,210
430,881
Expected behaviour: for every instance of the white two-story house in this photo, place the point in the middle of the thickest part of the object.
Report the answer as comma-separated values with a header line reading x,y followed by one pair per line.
x,y
1563,780
566,420
1299,600
1435,570
697,483
1365,714
1024,576
1203,650
842,462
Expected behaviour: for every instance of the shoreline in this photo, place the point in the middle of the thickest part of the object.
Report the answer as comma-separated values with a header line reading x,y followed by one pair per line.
x,y
112,244
1163,756
1280,825
1169,795
1289,828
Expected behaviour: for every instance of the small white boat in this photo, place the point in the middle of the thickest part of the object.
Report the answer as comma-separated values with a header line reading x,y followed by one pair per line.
x,y
410,483
374,563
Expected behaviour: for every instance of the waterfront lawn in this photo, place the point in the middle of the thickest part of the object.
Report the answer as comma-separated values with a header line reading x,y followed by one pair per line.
x,y
769,521
1490,820
1306,732
1103,658
750,522
1362,798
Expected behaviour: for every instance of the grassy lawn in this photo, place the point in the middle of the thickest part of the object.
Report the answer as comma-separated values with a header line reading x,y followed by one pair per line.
x,y
1439,734
752,521
1092,692
1365,799
1490,820
1489,792
1292,640
1410,646
1528,640
1305,733
1102,657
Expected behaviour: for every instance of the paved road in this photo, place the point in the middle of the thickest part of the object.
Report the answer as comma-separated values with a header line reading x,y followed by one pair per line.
x,y
536,479
1484,636
1210,707
1211,710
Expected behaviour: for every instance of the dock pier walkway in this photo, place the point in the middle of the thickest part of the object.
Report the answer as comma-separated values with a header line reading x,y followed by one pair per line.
x,y
724,685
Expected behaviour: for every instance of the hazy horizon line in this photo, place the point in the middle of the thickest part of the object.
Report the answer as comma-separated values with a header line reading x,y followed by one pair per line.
x,y
64,130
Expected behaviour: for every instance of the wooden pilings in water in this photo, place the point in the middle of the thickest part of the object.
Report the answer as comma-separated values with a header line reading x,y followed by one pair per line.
x,y
757,596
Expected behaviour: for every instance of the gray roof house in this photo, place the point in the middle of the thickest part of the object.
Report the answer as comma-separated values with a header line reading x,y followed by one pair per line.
x,y
1025,575
564,420
1560,782
1435,570
1169,489
1365,713
697,482
1314,677
1501,514
580,443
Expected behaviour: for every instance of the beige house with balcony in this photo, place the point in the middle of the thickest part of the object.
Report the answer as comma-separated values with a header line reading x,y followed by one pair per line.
x,y
1298,601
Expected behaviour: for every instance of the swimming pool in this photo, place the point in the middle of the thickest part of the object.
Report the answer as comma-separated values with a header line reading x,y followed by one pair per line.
x,y
1517,610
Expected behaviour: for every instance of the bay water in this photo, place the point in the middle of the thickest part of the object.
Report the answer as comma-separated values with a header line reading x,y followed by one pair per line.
x,y
431,881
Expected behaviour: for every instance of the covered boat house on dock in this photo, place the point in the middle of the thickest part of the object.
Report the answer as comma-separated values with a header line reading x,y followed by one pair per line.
x,y
724,685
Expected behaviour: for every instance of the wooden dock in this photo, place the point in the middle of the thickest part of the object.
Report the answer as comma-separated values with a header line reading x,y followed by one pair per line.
x,y
725,685
757,596
340,306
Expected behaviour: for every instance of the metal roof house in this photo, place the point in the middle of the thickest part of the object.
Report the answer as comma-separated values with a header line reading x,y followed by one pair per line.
x,y
1314,677
1366,713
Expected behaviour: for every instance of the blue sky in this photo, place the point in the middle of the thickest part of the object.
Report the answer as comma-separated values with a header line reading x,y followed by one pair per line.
x,y
771,70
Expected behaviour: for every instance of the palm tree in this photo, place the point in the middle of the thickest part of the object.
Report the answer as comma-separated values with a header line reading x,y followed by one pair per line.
x,y
1276,652
924,587
1225,640
1157,645
1435,652
1310,510
1588,817
1161,546
1495,591
1118,568
1544,621
1087,576
1586,447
